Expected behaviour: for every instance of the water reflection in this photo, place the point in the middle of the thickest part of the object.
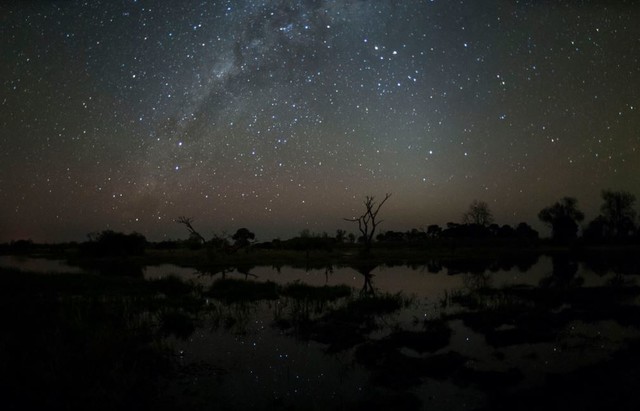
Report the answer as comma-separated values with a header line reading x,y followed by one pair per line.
x,y
365,269
565,269
122,268
522,262
283,337
400,356
39,265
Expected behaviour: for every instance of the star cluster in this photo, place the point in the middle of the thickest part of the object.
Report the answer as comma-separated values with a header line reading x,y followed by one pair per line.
x,y
281,116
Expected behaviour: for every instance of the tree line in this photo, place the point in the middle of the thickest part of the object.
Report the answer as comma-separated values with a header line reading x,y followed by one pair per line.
x,y
616,224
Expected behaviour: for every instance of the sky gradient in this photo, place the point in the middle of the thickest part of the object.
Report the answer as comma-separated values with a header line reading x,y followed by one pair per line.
x,y
282,116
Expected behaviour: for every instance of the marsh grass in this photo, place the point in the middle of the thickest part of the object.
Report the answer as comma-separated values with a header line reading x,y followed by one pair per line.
x,y
518,315
83,341
300,291
177,322
374,305
476,257
300,303
233,290
349,323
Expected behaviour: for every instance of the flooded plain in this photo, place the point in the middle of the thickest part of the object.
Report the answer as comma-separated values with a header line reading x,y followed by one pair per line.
x,y
443,335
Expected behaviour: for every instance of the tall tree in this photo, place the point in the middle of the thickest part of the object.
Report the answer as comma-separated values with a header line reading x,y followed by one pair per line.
x,y
478,213
367,222
618,213
563,218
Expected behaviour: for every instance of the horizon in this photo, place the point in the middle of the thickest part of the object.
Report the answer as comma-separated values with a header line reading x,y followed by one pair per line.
x,y
281,118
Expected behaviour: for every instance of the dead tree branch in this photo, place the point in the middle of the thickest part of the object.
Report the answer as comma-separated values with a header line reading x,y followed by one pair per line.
x,y
367,222
192,232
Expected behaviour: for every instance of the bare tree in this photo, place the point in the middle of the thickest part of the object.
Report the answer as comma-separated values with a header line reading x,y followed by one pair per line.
x,y
367,223
192,232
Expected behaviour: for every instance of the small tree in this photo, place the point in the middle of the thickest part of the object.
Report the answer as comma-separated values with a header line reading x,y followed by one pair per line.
x,y
524,230
193,234
618,213
367,223
109,243
597,230
434,231
563,218
478,213
243,238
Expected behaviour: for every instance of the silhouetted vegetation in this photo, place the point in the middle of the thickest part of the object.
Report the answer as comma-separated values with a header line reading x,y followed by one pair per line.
x,y
563,218
367,222
618,213
82,341
308,242
372,328
20,247
194,236
617,222
243,238
113,335
113,244
478,214
301,291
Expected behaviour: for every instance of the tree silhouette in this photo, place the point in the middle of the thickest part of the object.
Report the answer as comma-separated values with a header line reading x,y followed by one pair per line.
x,y
243,237
367,223
186,221
563,218
434,231
366,268
618,213
110,243
478,213
596,230
524,230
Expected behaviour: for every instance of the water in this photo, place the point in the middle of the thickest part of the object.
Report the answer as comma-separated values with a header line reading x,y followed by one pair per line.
x,y
38,265
418,281
265,354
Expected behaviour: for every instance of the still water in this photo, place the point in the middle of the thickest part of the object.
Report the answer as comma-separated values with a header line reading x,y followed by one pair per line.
x,y
419,281
265,354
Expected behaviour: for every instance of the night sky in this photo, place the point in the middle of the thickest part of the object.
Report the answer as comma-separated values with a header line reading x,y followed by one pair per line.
x,y
283,115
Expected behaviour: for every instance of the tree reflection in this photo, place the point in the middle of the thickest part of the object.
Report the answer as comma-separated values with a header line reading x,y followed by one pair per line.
x,y
212,271
365,269
477,281
565,268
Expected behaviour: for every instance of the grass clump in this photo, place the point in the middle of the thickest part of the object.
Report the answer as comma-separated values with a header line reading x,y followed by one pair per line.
x,y
171,286
231,290
379,304
79,342
177,322
300,291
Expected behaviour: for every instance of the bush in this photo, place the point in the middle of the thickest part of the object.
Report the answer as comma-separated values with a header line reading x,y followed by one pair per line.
x,y
112,244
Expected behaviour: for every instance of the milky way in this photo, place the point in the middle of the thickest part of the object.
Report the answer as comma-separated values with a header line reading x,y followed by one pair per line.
x,y
281,116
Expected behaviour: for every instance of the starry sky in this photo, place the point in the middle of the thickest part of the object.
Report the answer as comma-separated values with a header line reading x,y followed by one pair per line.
x,y
283,115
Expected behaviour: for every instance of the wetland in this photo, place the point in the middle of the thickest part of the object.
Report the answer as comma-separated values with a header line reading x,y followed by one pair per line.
x,y
457,330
